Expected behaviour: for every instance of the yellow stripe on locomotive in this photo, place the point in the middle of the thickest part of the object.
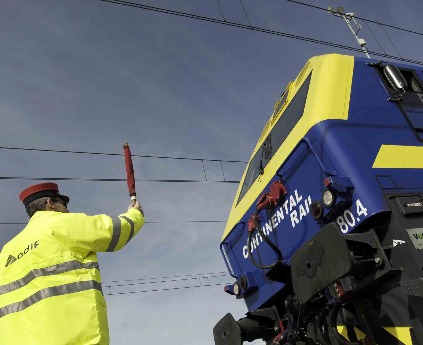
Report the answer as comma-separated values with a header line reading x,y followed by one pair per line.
x,y
399,157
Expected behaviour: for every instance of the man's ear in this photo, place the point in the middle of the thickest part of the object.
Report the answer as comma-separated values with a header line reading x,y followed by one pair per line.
x,y
50,205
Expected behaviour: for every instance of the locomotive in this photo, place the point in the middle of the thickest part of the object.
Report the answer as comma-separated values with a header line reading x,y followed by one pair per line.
x,y
325,236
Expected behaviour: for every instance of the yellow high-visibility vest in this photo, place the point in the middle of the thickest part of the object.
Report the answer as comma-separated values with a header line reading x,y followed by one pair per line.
x,y
50,285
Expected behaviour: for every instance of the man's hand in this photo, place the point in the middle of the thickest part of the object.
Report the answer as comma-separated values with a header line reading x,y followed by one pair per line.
x,y
137,206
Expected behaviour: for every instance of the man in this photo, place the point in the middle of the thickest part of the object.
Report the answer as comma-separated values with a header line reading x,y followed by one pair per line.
x,y
50,286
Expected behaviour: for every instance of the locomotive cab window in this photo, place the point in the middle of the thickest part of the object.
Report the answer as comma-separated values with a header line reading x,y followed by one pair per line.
x,y
289,118
413,83
405,88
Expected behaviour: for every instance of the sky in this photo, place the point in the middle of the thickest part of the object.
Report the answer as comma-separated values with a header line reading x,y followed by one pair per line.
x,y
86,75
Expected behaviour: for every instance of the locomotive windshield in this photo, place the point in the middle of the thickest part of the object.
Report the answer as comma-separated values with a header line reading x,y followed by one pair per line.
x,y
276,137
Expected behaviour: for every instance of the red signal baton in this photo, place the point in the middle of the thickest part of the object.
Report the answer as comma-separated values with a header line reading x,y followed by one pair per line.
x,y
130,177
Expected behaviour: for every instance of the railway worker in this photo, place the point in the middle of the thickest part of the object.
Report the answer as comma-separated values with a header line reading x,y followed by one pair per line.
x,y
50,286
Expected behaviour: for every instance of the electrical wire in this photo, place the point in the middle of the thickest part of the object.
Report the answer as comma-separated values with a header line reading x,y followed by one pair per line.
x,y
164,289
255,28
197,275
118,154
362,18
112,179
119,284
221,10
185,221
374,36
389,38
146,222
245,12
202,160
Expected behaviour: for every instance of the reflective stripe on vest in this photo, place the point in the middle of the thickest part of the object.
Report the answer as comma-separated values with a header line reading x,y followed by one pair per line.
x,y
50,292
115,235
47,271
131,223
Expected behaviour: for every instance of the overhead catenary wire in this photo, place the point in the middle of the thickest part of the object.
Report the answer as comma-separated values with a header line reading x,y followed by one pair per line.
x,y
357,17
255,28
199,279
374,36
159,281
88,179
98,153
146,222
164,289
366,20
389,38
245,12
221,10
169,277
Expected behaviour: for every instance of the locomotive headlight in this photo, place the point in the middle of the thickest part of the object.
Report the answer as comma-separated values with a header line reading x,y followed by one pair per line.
x,y
328,198
237,289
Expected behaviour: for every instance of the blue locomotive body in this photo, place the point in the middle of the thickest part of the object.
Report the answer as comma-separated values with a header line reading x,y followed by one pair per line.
x,y
343,150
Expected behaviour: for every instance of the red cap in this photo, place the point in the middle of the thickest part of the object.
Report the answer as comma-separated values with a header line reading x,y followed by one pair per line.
x,y
41,190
